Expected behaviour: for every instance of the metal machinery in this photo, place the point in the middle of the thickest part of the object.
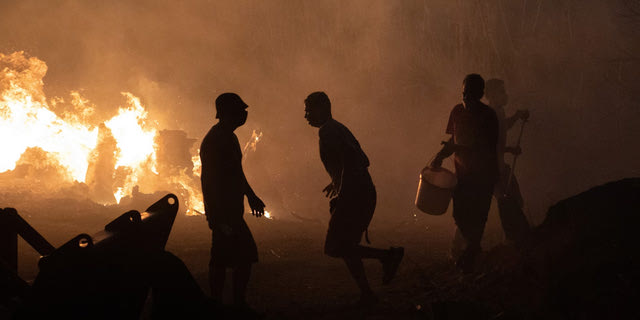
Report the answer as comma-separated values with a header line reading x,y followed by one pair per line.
x,y
106,276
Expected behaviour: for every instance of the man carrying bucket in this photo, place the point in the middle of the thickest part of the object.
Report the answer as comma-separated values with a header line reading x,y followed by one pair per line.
x,y
474,129
353,197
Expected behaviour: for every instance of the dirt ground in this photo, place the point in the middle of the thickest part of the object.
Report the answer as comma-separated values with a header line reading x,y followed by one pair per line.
x,y
294,279
579,264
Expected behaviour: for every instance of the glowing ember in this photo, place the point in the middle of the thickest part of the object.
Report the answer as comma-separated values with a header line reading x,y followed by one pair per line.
x,y
267,214
253,141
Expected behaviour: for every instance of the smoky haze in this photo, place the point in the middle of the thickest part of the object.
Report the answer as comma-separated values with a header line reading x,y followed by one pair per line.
x,y
393,70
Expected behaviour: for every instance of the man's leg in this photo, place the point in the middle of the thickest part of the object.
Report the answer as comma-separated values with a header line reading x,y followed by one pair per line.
x,y
241,277
390,259
457,245
216,280
364,252
471,204
356,268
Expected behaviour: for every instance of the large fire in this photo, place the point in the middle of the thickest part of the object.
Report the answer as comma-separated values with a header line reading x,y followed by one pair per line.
x,y
114,157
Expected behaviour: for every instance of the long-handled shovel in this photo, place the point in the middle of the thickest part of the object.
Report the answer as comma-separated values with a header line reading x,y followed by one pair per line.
x,y
514,222
515,158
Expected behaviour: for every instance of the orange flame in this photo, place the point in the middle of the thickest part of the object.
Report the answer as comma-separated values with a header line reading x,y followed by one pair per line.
x,y
68,136
26,120
135,141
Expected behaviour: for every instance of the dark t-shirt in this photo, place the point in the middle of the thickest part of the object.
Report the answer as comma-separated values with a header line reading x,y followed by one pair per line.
x,y
222,182
477,129
339,150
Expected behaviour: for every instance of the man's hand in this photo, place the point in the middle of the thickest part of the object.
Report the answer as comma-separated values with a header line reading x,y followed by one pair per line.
x,y
330,191
448,149
257,206
436,163
523,114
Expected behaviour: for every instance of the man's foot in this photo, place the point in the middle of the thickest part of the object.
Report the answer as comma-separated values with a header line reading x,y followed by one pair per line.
x,y
391,263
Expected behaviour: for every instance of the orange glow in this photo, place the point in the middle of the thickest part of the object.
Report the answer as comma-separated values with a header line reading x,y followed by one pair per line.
x,y
191,193
136,143
197,164
118,153
134,137
26,120
253,141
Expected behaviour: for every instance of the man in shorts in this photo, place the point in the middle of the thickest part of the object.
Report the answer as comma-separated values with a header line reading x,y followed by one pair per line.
x,y
353,197
224,187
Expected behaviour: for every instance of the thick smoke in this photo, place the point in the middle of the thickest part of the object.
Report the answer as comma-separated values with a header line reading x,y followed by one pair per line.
x,y
393,70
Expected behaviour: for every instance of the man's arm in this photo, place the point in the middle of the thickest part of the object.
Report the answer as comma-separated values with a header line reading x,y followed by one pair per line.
x,y
448,148
256,204
520,114
332,156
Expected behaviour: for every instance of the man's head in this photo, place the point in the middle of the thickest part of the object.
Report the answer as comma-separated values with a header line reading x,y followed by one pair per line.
x,y
495,93
317,109
472,87
230,108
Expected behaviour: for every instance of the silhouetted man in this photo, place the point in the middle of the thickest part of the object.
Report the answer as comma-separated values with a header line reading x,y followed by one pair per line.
x,y
474,129
353,197
224,186
510,202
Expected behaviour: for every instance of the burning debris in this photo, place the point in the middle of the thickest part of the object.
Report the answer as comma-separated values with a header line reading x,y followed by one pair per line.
x,y
52,144
252,144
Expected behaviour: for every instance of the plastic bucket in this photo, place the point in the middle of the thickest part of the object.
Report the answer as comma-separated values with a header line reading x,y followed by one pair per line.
x,y
434,190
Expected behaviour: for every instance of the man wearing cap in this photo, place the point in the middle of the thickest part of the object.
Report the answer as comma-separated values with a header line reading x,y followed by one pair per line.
x,y
224,186
474,129
353,197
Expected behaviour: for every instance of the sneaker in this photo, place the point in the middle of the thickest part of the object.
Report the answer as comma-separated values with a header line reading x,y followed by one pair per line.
x,y
391,263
